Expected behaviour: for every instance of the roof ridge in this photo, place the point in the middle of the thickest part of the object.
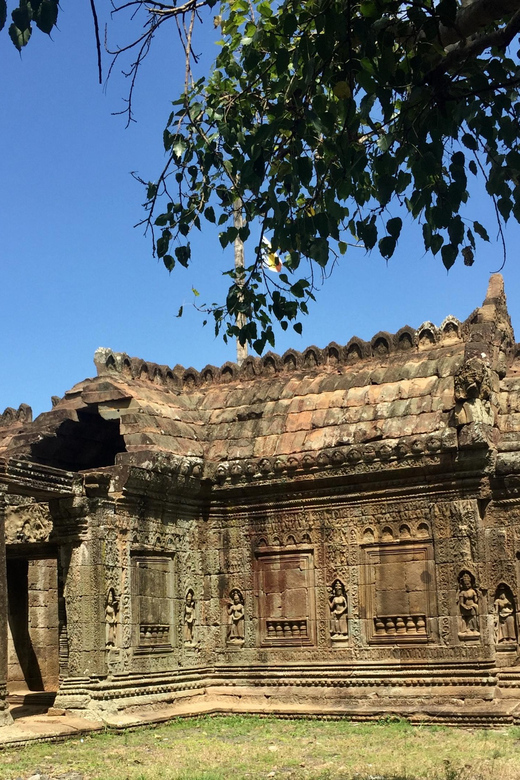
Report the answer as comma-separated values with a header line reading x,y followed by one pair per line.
x,y
383,344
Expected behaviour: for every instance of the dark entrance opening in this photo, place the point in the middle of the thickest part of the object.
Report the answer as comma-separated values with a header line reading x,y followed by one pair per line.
x,y
91,442
33,626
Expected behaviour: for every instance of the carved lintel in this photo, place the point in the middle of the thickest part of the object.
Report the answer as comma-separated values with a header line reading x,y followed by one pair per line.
x,y
28,523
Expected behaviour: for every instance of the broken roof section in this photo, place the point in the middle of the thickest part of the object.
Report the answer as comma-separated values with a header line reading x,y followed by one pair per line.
x,y
361,402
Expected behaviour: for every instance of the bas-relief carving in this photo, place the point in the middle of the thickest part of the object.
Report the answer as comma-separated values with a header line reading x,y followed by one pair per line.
x,y
111,612
189,618
474,395
28,523
75,618
236,618
468,607
445,629
501,571
125,611
497,544
338,606
504,613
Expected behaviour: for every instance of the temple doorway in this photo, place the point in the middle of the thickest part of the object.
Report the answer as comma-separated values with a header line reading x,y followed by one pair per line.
x,y
33,624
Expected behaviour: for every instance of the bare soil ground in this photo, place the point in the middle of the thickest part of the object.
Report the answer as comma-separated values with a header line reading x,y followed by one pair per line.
x,y
250,748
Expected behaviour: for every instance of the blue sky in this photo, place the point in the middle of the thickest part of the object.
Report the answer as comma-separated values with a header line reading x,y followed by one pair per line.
x,y
77,275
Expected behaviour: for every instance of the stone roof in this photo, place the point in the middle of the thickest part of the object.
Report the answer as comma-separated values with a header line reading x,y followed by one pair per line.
x,y
363,401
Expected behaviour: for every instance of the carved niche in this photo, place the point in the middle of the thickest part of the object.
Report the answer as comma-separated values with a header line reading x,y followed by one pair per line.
x,y
468,607
111,614
236,618
338,606
285,590
504,614
153,601
399,592
188,623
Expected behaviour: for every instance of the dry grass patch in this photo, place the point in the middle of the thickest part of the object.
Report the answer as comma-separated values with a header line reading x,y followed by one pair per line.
x,y
250,748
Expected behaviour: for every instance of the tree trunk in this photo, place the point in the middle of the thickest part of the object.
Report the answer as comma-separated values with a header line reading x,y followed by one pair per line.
x,y
239,267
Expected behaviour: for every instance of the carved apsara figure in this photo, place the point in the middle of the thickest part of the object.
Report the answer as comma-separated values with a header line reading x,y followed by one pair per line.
x,y
505,615
236,617
189,617
111,610
468,603
338,610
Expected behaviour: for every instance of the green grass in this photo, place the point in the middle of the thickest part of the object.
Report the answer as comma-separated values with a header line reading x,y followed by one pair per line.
x,y
250,748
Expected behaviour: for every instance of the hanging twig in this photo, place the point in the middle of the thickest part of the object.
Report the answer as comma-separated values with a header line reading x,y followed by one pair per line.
x,y
98,41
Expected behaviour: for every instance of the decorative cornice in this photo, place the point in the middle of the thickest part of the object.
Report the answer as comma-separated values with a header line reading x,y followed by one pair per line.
x,y
21,415
381,455
313,359
37,480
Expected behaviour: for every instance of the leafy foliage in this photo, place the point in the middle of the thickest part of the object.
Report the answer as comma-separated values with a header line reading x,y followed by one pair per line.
x,y
43,13
328,122
322,117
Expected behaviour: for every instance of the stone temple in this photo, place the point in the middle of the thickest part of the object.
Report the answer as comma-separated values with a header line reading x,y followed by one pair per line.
x,y
332,532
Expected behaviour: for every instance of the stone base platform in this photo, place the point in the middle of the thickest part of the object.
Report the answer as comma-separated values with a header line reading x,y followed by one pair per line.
x,y
36,723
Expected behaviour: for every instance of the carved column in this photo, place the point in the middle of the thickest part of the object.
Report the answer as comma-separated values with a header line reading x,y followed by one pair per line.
x,y
5,717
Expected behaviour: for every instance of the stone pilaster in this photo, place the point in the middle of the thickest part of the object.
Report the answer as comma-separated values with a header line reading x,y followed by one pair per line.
x,y
5,717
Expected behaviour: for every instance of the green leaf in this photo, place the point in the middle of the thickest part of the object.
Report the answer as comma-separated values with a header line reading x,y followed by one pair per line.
x,y
209,213
46,16
481,231
394,227
169,262
469,142
319,251
179,147
387,246
183,254
163,243
367,232
436,242
468,255
21,17
449,255
151,190
368,9
3,13
20,38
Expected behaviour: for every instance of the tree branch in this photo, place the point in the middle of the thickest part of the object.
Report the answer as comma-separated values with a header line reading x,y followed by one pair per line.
x,y
474,17
464,51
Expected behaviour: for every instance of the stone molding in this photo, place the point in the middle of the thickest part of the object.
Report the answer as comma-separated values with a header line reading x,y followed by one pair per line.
x,y
381,346
383,454
21,415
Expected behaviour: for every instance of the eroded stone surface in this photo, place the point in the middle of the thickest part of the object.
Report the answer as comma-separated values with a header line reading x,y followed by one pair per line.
x,y
330,531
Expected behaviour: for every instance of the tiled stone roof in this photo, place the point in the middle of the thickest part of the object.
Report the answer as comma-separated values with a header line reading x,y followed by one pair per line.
x,y
364,400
